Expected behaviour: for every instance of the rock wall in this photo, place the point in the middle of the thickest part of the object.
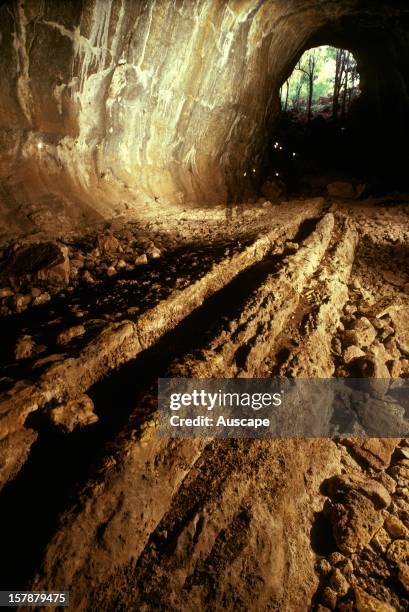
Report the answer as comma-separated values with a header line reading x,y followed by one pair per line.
x,y
108,105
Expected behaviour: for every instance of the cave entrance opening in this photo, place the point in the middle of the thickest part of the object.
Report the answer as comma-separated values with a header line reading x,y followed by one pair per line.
x,y
314,142
324,83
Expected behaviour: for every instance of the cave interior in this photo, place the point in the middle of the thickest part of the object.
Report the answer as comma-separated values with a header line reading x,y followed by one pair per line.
x,y
162,216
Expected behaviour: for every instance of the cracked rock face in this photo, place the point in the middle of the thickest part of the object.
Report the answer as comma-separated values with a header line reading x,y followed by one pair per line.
x,y
108,105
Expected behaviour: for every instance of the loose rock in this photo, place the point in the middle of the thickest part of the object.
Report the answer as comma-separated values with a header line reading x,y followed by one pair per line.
x,y
341,189
352,353
154,253
404,575
366,603
108,243
141,260
396,528
354,521
400,318
68,334
75,413
375,452
339,583
25,348
42,299
381,540
398,551
362,333
329,598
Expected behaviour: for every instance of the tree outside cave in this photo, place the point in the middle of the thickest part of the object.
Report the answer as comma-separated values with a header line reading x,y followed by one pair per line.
x,y
324,82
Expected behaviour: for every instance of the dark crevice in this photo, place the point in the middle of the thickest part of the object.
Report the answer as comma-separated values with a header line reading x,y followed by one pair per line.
x,y
322,539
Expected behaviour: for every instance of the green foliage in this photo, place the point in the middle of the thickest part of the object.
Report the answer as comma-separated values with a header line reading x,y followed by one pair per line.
x,y
318,64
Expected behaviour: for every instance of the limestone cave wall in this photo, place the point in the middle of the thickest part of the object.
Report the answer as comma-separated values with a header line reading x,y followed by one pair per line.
x,y
109,105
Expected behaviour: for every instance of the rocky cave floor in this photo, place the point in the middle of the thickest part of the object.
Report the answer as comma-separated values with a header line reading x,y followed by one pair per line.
x,y
89,323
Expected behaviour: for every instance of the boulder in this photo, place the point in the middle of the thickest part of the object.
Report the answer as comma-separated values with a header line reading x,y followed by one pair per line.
x,y
59,273
339,583
21,301
108,243
354,521
352,353
75,413
324,567
366,603
273,189
398,280
329,598
385,306
395,527
67,335
44,261
361,334
400,318
25,348
341,189
42,299
375,452
140,260
400,473
338,486
381,540
375,370
398,551
88,278
154,253
381,417
404,575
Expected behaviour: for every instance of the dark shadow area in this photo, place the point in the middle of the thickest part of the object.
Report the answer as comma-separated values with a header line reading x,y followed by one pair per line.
x,y
351,125
322,540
